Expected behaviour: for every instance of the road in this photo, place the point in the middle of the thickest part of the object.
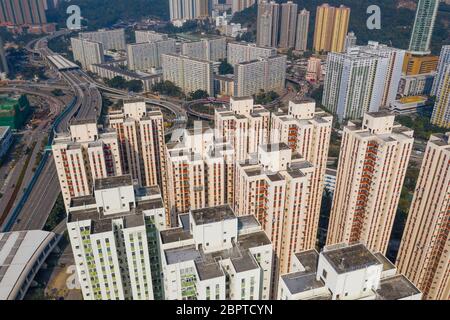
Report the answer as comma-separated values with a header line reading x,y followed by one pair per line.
x,y
44,193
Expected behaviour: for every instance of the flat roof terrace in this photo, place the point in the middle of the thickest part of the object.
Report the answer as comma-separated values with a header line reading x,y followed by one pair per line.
x,y
113,182
212,214
350,258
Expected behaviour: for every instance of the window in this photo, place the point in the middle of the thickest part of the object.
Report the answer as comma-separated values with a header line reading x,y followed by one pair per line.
x,y
324,274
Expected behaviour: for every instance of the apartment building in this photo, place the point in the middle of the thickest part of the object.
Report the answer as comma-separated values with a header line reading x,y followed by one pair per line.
x,y
142,36
288,25
441,110
274,187
394,68
182,10
215,255
147,55
239,52
425,247
239,5
211,49
314,70
267,23
423,26
306,131
345,272
87,52
354,83
200,172
371,169
84,155
189,74
245,126
444,60
113,234
111,39
140,134
331,28
266,74
31,12
301,37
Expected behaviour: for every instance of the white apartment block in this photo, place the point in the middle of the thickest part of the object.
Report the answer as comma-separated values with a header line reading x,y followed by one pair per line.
x,y
394,68
354,83
424,254
200,172
266,74
239,52
245,126
211,49
113,234
189,74
140,134
306,131
111,39
147,55
87,52
371,169
275,189
83,155
344,272
215,255
142,36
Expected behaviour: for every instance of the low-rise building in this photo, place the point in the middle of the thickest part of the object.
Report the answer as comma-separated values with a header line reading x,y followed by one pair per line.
x,y
109,71
344,272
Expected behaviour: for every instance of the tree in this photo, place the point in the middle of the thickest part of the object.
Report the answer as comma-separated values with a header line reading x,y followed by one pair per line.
x,y
167,88
225,67
134,85
117,82
266,97
198,95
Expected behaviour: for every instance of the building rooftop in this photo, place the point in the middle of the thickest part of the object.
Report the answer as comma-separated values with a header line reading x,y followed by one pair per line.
x,y
175,235
349,258
275,147
396,288
113,182
212,214
247,222
387,265
308,259
298,282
